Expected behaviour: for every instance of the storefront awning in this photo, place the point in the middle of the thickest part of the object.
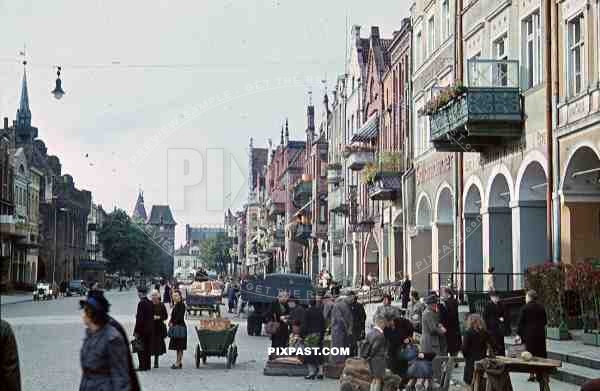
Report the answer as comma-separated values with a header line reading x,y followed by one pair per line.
x,y
368,132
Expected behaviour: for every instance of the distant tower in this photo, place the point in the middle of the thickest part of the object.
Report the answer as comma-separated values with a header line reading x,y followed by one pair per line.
x,y
24,132
287,133
251,179
139,211
163,223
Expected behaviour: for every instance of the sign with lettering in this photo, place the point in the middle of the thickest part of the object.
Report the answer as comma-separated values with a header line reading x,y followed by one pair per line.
x,y
427,171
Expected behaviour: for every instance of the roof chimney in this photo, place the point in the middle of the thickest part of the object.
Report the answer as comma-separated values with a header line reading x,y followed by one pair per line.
x,y
374,31
5,123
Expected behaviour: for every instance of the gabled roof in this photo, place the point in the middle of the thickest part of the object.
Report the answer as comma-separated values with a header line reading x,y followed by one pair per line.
x,y
161,215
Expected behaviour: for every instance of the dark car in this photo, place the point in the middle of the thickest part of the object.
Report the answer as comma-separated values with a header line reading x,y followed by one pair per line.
x,y
77,287
261,292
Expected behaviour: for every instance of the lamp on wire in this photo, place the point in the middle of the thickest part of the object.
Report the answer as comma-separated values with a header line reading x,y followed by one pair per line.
x,y
58,91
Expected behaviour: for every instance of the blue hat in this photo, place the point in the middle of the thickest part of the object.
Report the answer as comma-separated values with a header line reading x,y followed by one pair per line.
x,y
96,300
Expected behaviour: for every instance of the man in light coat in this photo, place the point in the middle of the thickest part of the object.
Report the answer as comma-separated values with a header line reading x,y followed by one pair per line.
x,y
433,333
341,325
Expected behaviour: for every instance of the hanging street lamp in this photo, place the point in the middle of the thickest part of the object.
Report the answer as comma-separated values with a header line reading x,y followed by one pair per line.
x,y
58,91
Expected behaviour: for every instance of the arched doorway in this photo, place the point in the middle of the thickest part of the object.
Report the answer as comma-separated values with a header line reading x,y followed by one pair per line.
x,y
500,231
372,257
533,243
580,213
421,246
442,237
473,237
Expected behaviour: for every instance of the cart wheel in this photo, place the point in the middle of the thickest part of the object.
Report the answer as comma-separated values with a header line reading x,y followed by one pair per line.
x,y
235,354
203,358
197,356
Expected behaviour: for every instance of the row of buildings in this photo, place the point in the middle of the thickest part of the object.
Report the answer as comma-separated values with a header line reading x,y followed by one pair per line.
x,y
48,226
468,139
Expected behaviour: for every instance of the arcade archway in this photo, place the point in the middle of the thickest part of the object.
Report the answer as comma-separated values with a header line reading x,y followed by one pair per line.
x,y
533,242
473,240
500,231
580,213
421,245
443,243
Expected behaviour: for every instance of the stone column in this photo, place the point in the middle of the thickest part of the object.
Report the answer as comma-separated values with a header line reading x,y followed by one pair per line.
x,y
516,243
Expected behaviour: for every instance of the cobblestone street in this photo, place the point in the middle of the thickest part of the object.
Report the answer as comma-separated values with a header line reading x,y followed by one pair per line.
x,y
50,333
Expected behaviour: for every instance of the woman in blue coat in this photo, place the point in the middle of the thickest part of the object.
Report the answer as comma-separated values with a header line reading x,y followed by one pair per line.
x,y
104,354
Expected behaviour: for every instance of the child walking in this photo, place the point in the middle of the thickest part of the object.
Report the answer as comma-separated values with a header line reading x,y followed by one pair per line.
x,y
374,351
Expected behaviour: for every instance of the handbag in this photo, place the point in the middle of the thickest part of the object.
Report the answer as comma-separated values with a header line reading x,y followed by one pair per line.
x,y
177,331
272,327
408,353
137,345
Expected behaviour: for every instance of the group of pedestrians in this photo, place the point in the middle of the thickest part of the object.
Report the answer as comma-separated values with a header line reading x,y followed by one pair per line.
x,y
151,329
298,324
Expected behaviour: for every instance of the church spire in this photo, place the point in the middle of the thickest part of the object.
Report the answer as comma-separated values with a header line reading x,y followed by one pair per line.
x,y
139,211
23,112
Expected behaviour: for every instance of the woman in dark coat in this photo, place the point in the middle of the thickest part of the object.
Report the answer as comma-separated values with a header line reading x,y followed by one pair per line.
x,y
143,328
159,329
280,313
167,294
474,345
104,354
449,319
532,327
494,318
313,333
398,335
178,343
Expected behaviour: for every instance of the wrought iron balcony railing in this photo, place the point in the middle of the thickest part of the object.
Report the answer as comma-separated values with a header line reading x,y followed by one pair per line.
x,y
385,186
488,111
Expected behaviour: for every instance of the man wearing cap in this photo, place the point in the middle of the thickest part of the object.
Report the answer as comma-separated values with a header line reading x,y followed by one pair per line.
x,y
433,333
143,328
104,352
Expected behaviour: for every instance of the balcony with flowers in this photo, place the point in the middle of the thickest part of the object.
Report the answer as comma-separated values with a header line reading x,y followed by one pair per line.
x,y
384,178
487,111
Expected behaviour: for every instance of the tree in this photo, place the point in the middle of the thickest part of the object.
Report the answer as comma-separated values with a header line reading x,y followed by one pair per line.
x,y
127,248
214,253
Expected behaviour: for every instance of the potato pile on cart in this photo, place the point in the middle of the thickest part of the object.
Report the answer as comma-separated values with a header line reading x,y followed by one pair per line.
x,y
216,337
204,295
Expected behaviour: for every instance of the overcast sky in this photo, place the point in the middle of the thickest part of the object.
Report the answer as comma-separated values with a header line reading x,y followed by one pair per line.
x,y
131,68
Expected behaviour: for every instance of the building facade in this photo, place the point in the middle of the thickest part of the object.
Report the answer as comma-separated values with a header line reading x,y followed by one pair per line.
x,y
577,136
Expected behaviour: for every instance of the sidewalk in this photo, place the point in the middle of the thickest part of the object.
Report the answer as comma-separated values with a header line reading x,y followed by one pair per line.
x,y
18,297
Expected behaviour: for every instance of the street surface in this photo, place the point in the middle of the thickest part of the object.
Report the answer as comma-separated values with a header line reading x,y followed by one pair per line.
x,y
50,334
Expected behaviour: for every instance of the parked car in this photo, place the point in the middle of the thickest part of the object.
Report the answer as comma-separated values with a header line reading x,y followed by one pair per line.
x,y
42,291
77,287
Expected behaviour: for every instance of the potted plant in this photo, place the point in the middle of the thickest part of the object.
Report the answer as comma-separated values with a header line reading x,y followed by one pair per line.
x,y
583,278
549,281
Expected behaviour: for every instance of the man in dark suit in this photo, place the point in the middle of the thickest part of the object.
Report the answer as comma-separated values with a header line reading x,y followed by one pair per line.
x,y
449,319
144,319
405,291
494,318
532,327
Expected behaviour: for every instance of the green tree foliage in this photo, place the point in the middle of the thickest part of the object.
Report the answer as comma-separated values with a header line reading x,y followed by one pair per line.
x,y
127,248
214,252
